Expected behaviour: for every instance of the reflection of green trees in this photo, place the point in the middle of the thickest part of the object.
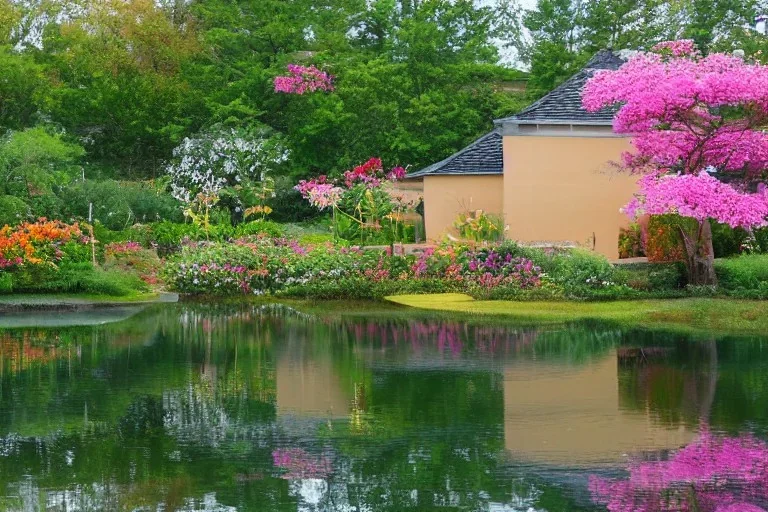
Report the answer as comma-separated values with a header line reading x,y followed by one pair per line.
x,y
180,400
686,381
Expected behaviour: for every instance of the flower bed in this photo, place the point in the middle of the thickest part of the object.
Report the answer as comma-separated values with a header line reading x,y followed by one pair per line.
x,y
55,257
265,265
38,243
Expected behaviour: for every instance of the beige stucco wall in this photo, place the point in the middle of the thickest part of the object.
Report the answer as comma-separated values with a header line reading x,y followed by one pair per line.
x,y
447,196
559,189
574,417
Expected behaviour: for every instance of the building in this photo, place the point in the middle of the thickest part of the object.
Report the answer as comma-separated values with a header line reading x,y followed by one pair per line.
x,y
547,170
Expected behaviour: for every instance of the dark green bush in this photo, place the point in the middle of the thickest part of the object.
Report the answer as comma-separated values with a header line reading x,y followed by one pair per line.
x,y
49,206
13,210
6,283
289,206
651,276
727,241
119,204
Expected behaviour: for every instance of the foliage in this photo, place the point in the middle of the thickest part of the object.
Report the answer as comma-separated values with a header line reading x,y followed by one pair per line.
x,y
32,161
6,283
170,236
579,269
132,258
743,272
282,266
564,33
13,210
662,241
77,278
631,242
119,204
479,226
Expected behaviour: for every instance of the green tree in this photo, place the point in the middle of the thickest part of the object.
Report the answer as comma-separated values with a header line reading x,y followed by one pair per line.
x,y
32,161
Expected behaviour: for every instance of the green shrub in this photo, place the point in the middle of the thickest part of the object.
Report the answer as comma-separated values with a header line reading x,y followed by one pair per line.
x,y
288,205
667,276
13,210
651,276
141,233
515,250
727,241
747,272
580,268
77,278
6,283
49,206
119,204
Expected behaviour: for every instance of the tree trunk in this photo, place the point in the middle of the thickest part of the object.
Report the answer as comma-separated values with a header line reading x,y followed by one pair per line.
x,y
700,255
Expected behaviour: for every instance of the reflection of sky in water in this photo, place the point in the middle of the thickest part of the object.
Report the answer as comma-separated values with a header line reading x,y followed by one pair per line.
x,y
247,408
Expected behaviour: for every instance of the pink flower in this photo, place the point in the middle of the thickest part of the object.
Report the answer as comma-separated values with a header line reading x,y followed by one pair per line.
x,y
303,79
699,196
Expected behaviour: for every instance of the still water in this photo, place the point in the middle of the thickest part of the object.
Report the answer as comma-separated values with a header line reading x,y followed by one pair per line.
x,y
251,407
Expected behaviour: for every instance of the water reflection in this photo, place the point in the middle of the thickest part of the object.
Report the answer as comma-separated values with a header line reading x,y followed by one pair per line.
x,y
214,407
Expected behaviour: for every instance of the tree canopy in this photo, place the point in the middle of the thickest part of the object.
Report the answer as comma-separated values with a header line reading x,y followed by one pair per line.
x,y
416,80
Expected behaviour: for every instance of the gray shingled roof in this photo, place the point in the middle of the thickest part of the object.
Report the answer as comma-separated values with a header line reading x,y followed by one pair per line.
x,y
484,156
564,103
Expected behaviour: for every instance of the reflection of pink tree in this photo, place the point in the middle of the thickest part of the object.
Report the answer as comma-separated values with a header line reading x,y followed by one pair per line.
x,y
301,464
712,474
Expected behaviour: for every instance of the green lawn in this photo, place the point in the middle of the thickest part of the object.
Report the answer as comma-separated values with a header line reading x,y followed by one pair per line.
x,y
711,315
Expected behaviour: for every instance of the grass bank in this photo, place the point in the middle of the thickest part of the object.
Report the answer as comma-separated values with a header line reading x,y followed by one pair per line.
x,y
691,315
69,302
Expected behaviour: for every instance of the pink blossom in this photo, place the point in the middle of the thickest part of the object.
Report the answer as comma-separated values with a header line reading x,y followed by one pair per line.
x,y
699,196
674,108
712,474
680,48
303,79
325,196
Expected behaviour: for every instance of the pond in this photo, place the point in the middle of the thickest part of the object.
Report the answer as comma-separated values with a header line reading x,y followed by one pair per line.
x,y
206,407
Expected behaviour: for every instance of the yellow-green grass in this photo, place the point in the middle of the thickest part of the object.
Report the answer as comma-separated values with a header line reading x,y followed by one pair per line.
x,y
693,315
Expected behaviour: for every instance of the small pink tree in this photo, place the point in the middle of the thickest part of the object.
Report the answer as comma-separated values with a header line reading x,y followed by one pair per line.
x,y
303,79
692,118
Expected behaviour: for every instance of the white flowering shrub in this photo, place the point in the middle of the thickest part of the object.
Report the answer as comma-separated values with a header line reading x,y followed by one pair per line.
x,y
221,159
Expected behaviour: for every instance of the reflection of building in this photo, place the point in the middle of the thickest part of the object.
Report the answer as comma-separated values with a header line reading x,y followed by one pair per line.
x,y
572,415
310,387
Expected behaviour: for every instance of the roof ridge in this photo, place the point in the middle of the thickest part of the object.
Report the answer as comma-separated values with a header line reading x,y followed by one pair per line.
x,y
560,103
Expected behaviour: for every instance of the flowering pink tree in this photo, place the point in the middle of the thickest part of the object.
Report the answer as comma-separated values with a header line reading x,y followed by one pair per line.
x,y
712,474
692,118
303,79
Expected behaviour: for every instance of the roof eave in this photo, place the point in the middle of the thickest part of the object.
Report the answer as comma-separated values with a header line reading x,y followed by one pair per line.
x,y
572,122
481,173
